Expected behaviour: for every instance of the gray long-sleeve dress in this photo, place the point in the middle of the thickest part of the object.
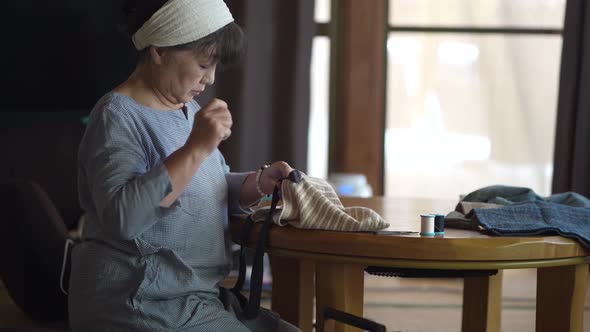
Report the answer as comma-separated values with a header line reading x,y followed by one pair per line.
x,y
142,267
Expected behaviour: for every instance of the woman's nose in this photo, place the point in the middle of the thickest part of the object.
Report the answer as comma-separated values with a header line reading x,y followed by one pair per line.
x,y
209,77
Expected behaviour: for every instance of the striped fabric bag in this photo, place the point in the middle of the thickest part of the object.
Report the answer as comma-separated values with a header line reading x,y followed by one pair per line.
x,y
307,203
312,203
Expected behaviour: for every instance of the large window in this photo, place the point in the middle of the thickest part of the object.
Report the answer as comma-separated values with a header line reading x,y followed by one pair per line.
x,y
317,155
471,95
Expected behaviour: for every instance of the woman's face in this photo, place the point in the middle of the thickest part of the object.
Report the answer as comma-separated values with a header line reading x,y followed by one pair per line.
x,y
180,75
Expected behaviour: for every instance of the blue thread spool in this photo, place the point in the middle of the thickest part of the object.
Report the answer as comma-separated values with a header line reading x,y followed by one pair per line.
x,y
439,224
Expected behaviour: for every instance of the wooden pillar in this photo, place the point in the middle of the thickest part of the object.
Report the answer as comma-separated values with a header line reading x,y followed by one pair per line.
x,y
358,89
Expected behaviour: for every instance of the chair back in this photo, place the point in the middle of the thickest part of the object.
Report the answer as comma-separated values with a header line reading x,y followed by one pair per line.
x,y
32,237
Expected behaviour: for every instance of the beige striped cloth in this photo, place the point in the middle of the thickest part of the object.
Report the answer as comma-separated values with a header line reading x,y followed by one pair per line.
x,y
313,204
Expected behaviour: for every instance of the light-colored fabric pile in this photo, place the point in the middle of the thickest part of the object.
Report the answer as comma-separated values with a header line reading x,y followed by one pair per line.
x,y
313,204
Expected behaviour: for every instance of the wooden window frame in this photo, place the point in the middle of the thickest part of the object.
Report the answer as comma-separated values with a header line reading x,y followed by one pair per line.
x,y
358,32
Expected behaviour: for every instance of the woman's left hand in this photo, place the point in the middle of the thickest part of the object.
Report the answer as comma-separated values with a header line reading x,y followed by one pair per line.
x,y
272,175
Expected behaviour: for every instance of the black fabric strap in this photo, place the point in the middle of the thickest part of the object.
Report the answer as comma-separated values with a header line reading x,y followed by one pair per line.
x,y
242,268
251,310
251,306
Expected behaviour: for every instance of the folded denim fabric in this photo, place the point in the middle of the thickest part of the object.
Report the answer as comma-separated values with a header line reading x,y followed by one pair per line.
x,y
466,207
457,218
536,218
506,195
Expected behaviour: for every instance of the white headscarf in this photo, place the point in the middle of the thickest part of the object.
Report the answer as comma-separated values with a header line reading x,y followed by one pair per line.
x,y
182,21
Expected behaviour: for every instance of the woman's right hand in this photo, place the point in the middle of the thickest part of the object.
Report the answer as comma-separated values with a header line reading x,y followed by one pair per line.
x,y
211,126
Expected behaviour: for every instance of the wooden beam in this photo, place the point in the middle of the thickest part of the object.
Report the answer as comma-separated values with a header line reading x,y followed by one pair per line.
x,y
358,90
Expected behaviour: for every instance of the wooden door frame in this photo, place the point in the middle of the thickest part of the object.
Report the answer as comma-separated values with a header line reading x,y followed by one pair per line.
x,y
357,103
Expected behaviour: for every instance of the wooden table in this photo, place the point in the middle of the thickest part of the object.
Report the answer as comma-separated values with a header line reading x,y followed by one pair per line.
x,y
337,261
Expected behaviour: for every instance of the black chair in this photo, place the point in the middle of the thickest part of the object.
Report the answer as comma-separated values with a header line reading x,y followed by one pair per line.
x,y
32,239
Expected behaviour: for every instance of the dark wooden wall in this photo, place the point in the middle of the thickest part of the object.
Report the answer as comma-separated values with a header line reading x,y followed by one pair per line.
x,y
43,147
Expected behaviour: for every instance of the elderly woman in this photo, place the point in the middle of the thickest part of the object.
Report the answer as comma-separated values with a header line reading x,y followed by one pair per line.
x,y
155,188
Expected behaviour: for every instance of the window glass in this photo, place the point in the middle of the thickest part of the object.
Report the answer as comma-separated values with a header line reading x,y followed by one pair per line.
x,y
322,11
497,13
317,151
470,110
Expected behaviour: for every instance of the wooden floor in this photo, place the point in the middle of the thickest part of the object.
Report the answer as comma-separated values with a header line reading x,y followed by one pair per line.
x,y
410,305
416,305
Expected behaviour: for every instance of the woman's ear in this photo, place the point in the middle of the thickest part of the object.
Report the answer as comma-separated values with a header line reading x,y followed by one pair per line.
x,y
157,54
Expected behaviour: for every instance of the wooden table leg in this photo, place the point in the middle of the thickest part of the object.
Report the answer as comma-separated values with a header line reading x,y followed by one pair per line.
x,y
560,298
482,303
293,291
339,286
